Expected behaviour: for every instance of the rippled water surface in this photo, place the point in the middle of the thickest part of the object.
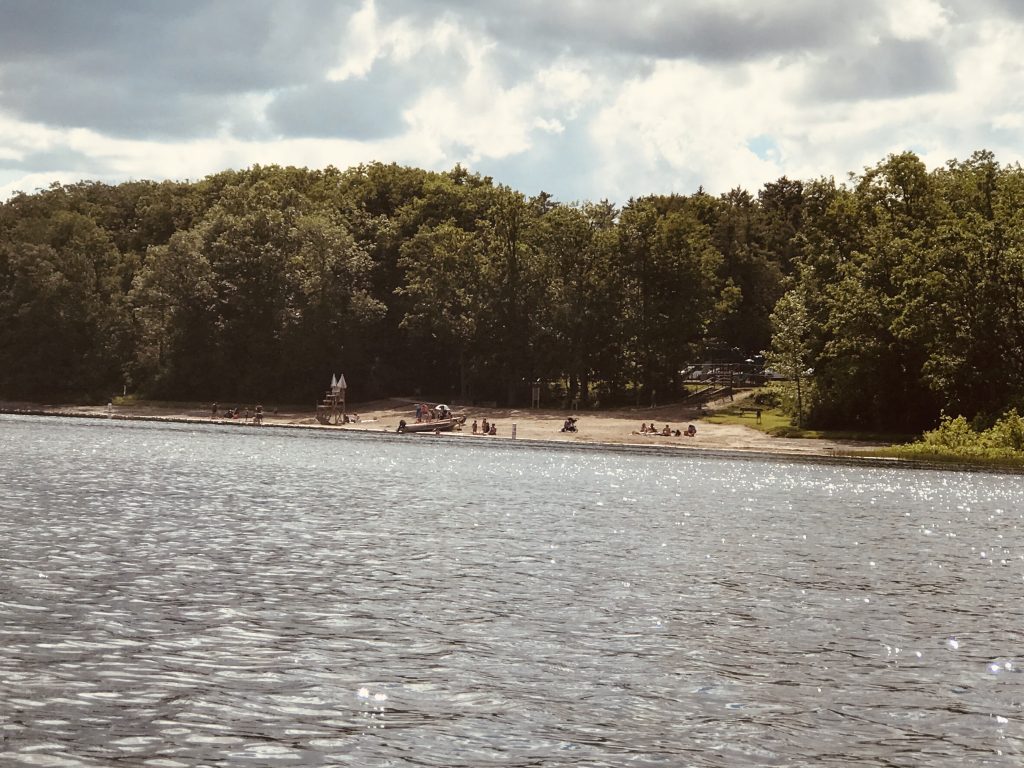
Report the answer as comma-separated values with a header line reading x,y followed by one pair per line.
x,y
180,596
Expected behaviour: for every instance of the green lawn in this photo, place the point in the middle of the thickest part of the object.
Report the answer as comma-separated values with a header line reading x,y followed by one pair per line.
x,y
775,422
772,419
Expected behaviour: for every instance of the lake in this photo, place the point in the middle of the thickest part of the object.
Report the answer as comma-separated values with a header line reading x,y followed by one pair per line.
x,y
177,595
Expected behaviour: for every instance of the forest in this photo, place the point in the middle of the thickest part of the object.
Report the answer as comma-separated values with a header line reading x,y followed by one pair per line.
x,y
895,295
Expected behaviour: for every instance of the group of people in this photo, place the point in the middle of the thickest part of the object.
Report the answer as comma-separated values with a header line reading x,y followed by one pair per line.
x,y
239,413
486,428
425,413
667,431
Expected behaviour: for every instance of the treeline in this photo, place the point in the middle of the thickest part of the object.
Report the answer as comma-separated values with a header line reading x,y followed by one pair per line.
x,y
904,289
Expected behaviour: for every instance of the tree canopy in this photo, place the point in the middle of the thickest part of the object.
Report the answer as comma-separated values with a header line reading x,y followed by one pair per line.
x,y
898,294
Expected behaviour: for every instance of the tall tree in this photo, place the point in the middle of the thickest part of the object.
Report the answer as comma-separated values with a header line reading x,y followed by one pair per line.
x,y
791,350
670,271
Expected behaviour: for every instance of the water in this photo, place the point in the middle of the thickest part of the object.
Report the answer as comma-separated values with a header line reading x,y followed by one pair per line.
x,y
179,596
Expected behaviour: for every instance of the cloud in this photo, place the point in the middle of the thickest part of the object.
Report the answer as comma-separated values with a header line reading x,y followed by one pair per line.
x,y
60,159
889,69
359,108
585,100
707,30
149,69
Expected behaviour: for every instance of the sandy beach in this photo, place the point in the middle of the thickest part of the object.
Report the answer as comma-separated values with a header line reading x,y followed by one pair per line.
x,y
606,427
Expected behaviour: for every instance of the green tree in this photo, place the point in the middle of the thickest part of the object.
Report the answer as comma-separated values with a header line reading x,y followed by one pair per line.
x,y
669,270
578,336
173,297
65,329
443,282
790,353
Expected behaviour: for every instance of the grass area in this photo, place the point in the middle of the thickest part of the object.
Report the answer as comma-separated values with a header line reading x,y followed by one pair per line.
x,y
778,424
772,420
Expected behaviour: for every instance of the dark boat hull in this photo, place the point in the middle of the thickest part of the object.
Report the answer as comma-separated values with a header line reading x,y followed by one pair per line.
x,y
441,425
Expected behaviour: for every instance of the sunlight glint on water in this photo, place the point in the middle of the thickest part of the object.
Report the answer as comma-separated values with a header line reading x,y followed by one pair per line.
x,y
220,595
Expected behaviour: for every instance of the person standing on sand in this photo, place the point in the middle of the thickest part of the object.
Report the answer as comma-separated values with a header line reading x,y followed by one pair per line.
x,y
474,426
213,411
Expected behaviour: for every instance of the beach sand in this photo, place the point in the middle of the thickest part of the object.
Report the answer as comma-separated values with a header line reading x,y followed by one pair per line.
x,y
605,427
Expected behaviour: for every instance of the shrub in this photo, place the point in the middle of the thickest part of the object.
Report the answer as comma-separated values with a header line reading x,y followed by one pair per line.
x,y
769,397
957,439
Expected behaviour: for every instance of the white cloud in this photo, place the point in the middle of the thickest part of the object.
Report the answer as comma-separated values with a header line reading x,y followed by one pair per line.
x,y
686,125
361,46
917,19
549,96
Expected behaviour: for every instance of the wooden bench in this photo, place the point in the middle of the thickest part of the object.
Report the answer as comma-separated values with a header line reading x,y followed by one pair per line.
x,y
752,412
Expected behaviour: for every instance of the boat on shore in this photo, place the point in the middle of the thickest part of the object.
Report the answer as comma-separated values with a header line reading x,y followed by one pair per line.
x,y
437,425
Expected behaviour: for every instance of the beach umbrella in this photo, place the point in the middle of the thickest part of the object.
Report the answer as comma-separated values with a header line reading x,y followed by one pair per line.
x,y
341,382
334,381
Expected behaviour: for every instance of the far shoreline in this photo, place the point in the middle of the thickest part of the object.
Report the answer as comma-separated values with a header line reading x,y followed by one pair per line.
x,y
533,430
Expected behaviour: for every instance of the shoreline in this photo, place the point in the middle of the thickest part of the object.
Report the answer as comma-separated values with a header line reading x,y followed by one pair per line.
x,y
602,431
539,430
534,431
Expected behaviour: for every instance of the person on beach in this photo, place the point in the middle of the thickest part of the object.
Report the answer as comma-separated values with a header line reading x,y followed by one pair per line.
x,y
257,418
213,411
493,430
419,413
666,432
643,428
691,431
486,428
652,429
474,426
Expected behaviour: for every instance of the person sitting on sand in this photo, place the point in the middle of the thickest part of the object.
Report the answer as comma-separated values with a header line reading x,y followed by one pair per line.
x,y
691,431
652,429
493,430
666,432
643,428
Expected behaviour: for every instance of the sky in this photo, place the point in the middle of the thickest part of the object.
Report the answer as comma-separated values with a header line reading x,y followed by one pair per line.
x,y
603,99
